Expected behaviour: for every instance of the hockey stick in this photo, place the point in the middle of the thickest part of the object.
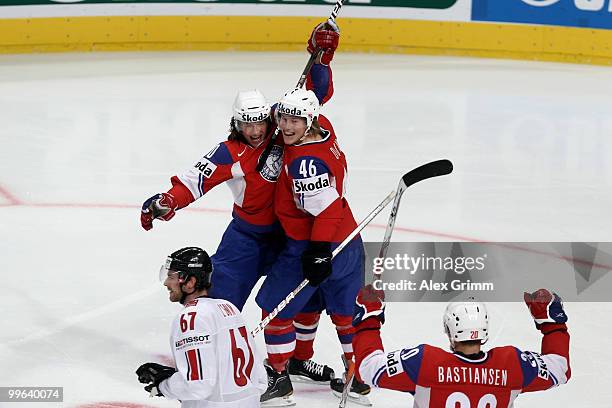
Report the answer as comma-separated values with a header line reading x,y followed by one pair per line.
x,y
424,172
313,57
336,251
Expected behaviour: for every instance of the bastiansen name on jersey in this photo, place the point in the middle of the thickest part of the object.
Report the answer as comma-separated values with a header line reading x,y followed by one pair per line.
x,y
438,378
215,357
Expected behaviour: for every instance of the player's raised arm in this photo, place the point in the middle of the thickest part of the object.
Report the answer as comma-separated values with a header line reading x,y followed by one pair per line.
x,y
325,36
397,370
212,169
551,367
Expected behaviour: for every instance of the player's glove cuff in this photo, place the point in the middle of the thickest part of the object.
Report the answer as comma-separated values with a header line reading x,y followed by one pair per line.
x,y
369,303
547,328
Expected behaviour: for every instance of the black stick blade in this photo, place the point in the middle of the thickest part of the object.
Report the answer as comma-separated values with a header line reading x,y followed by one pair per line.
x,y
429,170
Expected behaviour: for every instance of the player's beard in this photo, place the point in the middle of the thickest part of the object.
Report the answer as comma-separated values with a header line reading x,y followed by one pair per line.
x,y
174,295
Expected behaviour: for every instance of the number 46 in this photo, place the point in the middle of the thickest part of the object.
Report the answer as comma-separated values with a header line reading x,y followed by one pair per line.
x,y
311,171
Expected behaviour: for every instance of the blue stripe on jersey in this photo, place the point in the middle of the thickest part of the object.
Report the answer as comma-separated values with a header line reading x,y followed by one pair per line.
x,y
378,374
220,155
528,366
279,338
201,184
411,361
305,331
306,167
346,338
319,75
553,378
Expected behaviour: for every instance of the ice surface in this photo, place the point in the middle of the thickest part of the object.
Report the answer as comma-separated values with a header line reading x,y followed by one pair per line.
x,y
87,137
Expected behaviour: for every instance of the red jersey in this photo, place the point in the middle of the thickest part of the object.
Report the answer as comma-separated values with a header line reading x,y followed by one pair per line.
x,y
310,198
438,378
235,162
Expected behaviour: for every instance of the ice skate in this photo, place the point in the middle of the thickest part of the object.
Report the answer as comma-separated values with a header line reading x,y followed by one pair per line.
x,y
310,372
357,394
280,390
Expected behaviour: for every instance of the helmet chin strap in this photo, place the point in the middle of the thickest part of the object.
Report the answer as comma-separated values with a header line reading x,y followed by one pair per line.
x,y
303,136
185,294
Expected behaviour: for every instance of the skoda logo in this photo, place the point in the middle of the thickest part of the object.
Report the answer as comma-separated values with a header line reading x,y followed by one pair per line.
x,y
540,3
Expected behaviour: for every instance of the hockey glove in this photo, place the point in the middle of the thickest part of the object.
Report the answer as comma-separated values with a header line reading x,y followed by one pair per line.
x,y
317,262
161,206
325,36
369,303
153,374
545,307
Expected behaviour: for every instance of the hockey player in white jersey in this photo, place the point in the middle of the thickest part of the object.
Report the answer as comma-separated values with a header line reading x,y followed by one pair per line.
x,y
214,353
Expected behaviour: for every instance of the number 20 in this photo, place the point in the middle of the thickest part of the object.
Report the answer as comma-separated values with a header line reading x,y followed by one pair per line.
x,y
486,401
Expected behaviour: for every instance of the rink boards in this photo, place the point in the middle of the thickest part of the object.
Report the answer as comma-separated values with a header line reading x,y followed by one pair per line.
x,y
522,29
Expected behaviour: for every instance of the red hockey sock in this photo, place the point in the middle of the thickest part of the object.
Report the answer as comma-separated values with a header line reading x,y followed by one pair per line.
x,y
305,331
279,335
345,330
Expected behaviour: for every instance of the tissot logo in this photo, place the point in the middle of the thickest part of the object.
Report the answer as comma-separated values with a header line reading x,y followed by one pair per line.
x,y
190,340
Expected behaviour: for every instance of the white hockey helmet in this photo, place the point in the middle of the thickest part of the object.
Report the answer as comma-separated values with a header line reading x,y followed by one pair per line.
x,y
466,321
299,102
251,106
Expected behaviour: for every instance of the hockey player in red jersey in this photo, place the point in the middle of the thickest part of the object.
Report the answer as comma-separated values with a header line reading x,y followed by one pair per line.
x,y
254,238
213,352
467,376
311,206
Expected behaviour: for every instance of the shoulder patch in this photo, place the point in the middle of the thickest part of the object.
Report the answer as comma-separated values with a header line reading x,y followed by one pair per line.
x,y
273,164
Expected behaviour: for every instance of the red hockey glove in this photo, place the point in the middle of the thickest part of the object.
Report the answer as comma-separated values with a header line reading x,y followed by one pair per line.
x,y
161,206
326,37
545,307
317,262
369,303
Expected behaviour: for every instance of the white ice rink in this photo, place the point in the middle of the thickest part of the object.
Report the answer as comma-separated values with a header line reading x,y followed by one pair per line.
x,y
85,138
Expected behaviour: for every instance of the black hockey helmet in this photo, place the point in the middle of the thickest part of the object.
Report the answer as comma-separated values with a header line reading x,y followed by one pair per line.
x,y
189,261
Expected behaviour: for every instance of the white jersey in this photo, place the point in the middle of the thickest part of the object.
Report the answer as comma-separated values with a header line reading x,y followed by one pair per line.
x,y
215,357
